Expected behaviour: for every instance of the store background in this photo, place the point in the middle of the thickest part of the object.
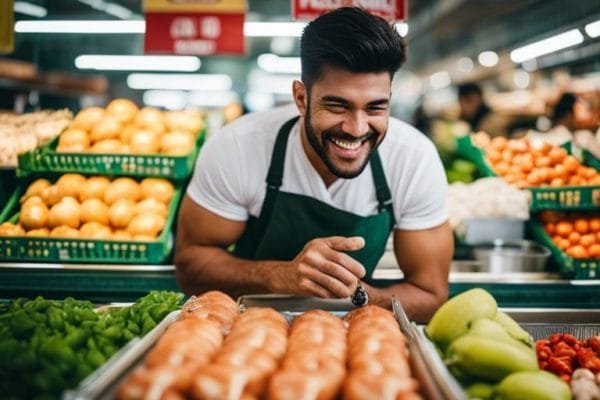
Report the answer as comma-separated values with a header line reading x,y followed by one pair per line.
x,y
449,42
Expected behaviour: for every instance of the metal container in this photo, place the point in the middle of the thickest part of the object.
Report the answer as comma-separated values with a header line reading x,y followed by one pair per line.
x,y
485,230
502,256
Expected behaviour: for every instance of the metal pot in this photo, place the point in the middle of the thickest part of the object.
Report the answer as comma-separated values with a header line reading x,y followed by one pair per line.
x,y
511,256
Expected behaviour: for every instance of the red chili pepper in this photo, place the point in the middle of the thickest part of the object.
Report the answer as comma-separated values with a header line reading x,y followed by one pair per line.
x,y
566,377
587,359
542,343
560,366
594,343
543,364
568,352
544,354
570,339
557,337
561,346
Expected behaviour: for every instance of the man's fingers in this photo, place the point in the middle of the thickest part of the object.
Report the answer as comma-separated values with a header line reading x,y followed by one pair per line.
x,y
339,287
348,263
341,243
314,289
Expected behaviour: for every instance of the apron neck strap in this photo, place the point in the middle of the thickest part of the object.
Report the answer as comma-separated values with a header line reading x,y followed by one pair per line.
x,y
275,176
382,190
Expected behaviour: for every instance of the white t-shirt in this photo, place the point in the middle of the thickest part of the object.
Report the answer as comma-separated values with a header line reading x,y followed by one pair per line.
x,y
230,174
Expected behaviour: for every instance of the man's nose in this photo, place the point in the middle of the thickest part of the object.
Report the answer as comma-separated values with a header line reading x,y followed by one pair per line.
x,y
356,123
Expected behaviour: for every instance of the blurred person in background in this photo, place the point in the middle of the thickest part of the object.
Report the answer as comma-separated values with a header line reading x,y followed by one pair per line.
x,y
477,113
573,120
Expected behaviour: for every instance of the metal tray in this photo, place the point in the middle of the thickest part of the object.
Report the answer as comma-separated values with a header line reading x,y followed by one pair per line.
x,y
103,383
294,304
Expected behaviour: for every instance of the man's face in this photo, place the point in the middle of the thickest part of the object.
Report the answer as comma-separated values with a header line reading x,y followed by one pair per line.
x,y
345,120
469,104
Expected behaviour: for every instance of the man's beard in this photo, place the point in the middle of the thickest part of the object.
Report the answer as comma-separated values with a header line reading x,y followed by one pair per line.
x,y
319,147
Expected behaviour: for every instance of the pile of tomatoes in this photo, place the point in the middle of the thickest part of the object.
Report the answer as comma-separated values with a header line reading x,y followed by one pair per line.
x,y
574,233
563,353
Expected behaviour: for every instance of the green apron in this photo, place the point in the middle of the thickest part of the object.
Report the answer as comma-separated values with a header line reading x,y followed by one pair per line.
x,y
287,221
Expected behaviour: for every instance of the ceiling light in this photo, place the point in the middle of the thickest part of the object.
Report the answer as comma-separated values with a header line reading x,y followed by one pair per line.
x,y
488,58
465,64
55,26
593,29
113,9
272,29
180,81
402,28
31,9
212,99
440,80
279,65
169,99
138,63
546,46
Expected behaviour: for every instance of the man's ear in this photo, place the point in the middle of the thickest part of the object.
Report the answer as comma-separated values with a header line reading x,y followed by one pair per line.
x,y
300,97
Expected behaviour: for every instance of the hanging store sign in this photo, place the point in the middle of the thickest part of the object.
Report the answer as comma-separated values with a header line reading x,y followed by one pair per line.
x,y
392,10
194,27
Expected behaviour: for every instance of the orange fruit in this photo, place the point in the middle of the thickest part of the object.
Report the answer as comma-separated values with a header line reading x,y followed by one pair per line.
x,y
574,237
550,228
564,228
595,224
571,164
587,240
594,250
577,252
581,225
557,154
542,162
494,156
499,143
557,182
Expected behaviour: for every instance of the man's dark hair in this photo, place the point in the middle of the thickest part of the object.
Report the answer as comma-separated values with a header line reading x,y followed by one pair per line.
x,y
352,39
467,89
564,106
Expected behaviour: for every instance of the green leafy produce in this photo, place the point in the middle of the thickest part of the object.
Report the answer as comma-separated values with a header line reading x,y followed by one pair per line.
x,y
47,346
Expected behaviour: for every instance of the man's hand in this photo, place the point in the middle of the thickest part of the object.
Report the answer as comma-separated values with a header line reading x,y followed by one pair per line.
x,y
322,269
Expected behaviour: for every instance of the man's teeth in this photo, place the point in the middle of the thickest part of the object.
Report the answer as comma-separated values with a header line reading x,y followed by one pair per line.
x,y
347,145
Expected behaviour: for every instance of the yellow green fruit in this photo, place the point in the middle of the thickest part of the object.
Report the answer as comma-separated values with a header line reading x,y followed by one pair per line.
x,y
532,385
489,359
488,328
452,319
513,328
479,391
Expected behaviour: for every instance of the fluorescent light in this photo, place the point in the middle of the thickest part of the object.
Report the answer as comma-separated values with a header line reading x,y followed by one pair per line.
x,y
180,81
440,80
279,65
546,46
212,99
593,29
273,29
259,81
169,99
31,9
114,9
402,28
488,58
138,63
57,26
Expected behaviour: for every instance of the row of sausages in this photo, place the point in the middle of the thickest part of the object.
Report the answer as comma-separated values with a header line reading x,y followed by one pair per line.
x,y
215,353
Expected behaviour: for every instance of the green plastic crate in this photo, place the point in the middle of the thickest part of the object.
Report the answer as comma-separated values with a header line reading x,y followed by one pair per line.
x,y
46,159
588,268
38,249
466,149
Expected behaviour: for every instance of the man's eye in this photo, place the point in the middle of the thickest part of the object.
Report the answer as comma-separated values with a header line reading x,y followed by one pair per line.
x,y
335,107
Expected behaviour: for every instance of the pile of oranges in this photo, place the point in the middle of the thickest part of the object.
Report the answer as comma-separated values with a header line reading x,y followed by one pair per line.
x,y
524,165
576,234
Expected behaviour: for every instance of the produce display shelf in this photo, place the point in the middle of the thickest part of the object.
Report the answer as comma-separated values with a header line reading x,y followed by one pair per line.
x,y
46,159
107,283
564,198
25,248
588,268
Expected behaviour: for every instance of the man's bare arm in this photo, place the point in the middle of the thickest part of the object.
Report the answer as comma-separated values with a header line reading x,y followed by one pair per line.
x,y
424,256
203,262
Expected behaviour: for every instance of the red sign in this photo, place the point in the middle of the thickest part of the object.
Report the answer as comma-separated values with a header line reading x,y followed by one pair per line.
x,y
392,10
194,33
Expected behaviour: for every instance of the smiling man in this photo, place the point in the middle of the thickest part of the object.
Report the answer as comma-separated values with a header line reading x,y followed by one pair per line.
x,y
310,194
